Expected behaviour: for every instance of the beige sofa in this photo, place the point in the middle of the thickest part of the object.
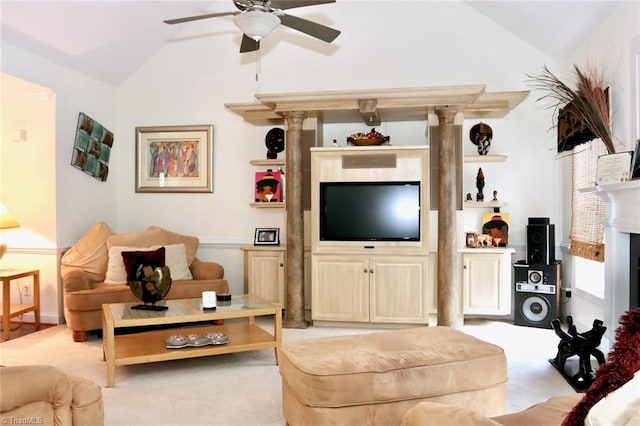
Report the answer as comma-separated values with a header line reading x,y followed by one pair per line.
x,y
92,273
46,395
548,413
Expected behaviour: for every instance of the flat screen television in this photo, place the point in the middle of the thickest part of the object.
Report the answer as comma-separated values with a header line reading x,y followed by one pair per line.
x,y
370,211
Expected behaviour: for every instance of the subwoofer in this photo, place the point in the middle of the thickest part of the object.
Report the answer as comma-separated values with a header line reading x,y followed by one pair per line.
x,y
540,241
537,295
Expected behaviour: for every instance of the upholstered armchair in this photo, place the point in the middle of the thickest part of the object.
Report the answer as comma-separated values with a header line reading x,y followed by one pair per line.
x,y
47,395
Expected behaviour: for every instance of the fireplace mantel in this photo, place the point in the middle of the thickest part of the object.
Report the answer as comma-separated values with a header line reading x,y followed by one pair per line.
x,y
622,219
623,201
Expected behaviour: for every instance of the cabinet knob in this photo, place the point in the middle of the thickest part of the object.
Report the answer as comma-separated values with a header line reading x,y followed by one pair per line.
x,y
365,271
281,265
371,271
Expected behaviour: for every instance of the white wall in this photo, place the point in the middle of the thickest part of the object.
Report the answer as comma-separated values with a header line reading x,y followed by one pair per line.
x,y
190,80
54,202
437,43
611,48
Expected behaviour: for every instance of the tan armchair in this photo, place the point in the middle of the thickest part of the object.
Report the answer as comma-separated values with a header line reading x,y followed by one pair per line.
x,y
46,395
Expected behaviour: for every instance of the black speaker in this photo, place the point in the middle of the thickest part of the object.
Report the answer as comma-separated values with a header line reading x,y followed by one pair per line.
x,y
537,294
540,242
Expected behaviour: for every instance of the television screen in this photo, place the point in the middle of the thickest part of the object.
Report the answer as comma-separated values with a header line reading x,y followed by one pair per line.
x,y
370,211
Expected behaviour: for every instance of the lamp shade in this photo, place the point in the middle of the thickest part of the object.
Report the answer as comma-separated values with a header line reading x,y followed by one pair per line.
x,y
256,24
6,219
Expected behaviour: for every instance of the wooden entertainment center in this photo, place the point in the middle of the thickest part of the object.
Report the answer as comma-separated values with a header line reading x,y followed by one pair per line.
x,y
387,283
370,281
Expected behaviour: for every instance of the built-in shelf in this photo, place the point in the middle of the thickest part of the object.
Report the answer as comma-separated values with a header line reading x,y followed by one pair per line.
x,y
484,204
485,158
268,205
267,162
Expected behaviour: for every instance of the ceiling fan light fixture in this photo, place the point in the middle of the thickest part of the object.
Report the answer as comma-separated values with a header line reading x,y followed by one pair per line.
x,y
256,24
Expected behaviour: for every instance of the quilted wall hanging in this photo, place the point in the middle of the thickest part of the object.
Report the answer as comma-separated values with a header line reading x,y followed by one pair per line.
x,y
92,148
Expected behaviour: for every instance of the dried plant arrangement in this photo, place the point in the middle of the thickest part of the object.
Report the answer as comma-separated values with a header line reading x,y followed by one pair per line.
x,y
589,101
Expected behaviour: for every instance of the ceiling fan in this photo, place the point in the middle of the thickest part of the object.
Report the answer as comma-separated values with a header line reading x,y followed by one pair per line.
x,y
258,18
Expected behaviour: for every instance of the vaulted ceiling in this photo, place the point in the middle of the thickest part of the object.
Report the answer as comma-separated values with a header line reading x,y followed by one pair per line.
x,y
109,40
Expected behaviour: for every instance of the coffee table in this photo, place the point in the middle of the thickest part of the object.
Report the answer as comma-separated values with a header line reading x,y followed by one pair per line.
x,y
149,346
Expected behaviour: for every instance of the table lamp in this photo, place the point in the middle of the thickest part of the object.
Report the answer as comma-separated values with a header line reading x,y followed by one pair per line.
x,y
6,221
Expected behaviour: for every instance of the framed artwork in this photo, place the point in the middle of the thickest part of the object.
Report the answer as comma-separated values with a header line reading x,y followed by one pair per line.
x,y
174,159
614,168
497,226
268,187
267,237
92,148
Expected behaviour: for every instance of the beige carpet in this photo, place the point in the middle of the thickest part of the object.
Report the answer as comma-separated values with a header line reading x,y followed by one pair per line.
x,y
244,388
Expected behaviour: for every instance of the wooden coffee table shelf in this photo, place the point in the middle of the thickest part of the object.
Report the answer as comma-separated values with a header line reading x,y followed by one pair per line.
x,y
149,346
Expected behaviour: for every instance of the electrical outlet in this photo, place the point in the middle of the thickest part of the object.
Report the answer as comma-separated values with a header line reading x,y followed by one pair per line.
x,y
26,290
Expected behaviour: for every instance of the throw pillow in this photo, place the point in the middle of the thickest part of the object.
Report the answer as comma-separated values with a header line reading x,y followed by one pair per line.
x,y
175,259
90,251
134,260
617,408
191,243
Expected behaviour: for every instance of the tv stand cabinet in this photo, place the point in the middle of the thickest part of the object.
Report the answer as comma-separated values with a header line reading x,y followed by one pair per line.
x,y
374,282
376,288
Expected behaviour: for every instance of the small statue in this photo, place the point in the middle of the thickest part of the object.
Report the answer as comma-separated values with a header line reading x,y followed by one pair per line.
x,y
480,185
495,195
469,198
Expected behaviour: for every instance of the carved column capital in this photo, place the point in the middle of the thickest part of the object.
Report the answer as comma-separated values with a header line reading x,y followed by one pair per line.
x,y
295,118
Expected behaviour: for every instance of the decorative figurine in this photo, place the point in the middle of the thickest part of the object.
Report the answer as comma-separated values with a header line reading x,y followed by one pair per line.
x,y
469,198
480,185
495,195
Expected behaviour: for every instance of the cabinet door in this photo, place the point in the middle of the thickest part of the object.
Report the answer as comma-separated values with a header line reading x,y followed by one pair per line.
x,y
265,275
399,291
340,288
487,289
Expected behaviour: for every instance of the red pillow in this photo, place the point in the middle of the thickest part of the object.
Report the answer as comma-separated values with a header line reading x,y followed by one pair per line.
x,y
135,260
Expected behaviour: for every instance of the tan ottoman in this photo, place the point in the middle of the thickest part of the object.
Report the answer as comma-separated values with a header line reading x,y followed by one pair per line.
x,y
375,378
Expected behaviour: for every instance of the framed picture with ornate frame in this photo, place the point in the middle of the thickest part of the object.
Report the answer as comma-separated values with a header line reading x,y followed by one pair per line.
x,y
267,237
174,159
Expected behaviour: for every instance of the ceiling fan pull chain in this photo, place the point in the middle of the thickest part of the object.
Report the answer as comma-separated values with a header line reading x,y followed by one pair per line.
x,y
257,63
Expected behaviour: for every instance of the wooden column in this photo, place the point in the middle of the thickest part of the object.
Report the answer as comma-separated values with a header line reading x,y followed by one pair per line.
x,y
294,314
449,305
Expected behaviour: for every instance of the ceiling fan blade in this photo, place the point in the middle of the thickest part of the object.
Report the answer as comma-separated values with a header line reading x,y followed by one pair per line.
x,y
198,17
248,44
313,29
290,4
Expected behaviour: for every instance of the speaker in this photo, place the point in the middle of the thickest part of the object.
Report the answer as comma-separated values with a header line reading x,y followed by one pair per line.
x,y
540,243
537,294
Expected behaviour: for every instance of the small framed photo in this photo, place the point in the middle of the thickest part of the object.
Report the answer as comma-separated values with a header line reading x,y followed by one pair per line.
x,y
267,237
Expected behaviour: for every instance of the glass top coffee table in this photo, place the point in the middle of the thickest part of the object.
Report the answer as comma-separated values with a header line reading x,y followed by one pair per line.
x,y
144,346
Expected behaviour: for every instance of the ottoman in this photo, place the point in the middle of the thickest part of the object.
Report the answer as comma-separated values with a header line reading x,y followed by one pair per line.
x,y
375,378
